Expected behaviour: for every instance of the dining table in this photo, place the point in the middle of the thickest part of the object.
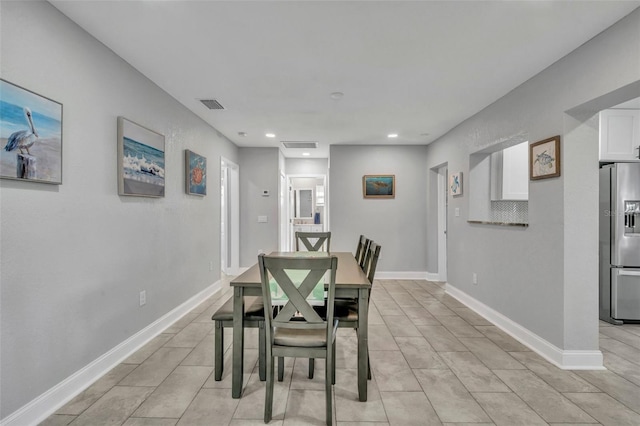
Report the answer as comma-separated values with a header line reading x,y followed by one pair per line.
x,y
351,282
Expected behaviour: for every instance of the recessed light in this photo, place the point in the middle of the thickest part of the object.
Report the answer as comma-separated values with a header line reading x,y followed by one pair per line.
x,y
306,154
392,135
270,135
337,95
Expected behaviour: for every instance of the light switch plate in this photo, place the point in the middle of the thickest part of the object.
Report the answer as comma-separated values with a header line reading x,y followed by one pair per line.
x,y
262,219
457,211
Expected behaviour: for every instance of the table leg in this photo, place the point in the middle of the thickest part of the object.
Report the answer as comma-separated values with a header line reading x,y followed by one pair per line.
x,y
363,346
238,342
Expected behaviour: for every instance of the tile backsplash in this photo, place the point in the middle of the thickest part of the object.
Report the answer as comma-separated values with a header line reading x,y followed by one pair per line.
x,y
510,211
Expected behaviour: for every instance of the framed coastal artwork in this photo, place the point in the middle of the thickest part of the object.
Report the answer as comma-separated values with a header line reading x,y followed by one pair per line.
x,y
455,183
140,160
379,186
30,135
196,173
544,159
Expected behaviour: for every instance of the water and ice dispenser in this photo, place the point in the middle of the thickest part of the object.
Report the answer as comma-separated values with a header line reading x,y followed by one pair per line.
x,y
632,217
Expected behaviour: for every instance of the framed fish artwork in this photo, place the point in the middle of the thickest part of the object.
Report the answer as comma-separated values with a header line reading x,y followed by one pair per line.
x,y
140,160
30,136
196,173
544,159
379,186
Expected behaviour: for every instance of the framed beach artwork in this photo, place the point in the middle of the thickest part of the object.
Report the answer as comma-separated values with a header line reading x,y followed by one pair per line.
x,y
196,173
455,183
379,186
30,135
140,160
544,159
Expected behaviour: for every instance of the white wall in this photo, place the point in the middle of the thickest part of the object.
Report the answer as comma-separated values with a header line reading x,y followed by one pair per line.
x,y
531,275
397,224
75,256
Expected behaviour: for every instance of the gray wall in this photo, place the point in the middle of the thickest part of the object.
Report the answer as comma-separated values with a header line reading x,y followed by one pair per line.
x,y
307,166
75,256
398,224
531,275
258,171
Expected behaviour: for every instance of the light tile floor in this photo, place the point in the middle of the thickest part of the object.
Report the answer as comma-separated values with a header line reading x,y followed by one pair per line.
x,y
434,362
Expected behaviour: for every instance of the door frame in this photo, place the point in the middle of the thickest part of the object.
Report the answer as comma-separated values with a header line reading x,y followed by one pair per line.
x,y
443,191
286,244
229,217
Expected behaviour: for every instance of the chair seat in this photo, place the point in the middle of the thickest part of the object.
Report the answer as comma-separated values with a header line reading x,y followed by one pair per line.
x,y
253,309
300,337
345,311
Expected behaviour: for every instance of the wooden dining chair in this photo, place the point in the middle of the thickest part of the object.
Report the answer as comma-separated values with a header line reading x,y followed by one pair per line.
x,y
346,310
297,330
313,241
253,318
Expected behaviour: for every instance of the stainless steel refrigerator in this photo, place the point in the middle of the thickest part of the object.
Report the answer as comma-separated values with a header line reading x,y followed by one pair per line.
x,y
620,242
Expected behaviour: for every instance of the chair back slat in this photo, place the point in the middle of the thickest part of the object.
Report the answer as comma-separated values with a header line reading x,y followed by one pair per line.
x,y
313,241
365,253
360,249
374,254
297,296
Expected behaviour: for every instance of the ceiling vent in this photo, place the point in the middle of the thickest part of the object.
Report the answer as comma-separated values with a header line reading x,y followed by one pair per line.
x,y
298,144
211,104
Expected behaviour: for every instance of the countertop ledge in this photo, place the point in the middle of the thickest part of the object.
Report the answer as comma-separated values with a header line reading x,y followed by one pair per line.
x,y
482,222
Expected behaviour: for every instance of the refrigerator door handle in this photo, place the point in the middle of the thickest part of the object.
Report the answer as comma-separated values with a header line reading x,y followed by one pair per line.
x,y
630,273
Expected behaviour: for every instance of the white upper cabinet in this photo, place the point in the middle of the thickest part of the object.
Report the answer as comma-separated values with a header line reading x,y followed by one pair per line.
x,y
619,135
515,172
510,173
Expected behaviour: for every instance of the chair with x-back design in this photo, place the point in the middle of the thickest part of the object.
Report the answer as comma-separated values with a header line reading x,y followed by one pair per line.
x,y
313,241
297,330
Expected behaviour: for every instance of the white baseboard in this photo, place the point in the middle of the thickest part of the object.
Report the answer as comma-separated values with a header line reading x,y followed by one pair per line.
x,y
433,277
567,360
46,404
401,275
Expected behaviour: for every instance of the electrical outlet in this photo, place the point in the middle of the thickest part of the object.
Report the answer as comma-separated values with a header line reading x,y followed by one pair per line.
x,y
475,279
143,297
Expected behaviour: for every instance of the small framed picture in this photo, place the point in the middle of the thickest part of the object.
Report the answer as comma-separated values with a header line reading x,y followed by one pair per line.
x,y
379,186
30,136
196,173
140,160
544,159
455,183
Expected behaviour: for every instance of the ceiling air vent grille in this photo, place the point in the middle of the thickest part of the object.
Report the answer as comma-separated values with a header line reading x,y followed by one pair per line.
x,y
211,104
298,144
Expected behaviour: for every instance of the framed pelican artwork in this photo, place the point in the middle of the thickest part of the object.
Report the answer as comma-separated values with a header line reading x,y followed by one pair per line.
x,y
30,135
196,173
379,186
140,160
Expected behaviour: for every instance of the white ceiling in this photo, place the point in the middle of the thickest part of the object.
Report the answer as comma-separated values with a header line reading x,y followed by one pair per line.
x,y
412,68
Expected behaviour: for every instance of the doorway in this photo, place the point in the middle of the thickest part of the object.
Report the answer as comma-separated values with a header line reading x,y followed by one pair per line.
x,y
229,217
309,216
